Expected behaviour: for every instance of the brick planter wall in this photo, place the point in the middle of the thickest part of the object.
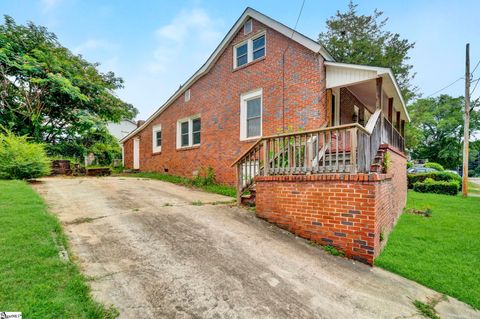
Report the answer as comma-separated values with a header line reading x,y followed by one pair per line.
x,y
348,211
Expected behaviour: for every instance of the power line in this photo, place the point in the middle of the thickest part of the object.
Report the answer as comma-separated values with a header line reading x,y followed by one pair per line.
x,y
474,86
461,78
298,19
476,66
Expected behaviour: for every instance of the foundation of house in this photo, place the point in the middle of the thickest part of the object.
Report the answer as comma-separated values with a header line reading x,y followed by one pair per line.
x,y
351,212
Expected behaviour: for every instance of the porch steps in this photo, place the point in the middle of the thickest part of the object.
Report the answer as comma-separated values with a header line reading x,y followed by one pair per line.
x,y
249,199
377,165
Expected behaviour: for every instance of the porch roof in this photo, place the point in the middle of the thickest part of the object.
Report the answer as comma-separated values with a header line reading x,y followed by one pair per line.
x,y
344,74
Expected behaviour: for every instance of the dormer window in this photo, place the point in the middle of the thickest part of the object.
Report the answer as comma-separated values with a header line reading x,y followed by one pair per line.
x,y
248,27
249,50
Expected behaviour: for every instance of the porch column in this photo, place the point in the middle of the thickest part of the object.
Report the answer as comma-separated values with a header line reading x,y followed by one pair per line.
x,y
379,100
402,128
398,122
390,109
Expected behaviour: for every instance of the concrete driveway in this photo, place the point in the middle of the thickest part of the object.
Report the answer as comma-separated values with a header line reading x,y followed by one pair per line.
x,y
157,250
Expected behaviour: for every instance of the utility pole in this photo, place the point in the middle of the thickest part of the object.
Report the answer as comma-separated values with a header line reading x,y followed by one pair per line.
x,y
466,128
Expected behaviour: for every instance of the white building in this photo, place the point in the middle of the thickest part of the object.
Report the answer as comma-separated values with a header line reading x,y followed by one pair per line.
x,y
121,129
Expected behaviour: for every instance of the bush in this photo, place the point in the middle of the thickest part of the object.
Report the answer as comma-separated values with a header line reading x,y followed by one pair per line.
x,y
205,177
437,187
409,165
434,165
20,159
436,176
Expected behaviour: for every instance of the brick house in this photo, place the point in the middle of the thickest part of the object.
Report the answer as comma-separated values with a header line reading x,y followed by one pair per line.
x,y
319,144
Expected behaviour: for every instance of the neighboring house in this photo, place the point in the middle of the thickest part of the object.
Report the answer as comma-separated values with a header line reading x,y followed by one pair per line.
x,y
272,112
122,128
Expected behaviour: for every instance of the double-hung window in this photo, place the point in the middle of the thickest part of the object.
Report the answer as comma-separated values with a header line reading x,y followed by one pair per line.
x,y
251,115
249,50
157,138
189,132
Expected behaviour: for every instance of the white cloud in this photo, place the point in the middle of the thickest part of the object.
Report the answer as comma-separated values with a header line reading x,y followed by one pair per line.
x,y
93,44
181,46
189,36
48,5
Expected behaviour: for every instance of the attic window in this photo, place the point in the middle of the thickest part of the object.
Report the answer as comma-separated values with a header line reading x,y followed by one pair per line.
x,y
249,50
247,27
187,95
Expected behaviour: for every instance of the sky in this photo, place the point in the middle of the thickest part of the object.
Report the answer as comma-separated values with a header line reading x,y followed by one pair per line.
x,y
155,46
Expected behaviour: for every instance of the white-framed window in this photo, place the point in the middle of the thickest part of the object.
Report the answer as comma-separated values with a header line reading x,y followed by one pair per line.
x,y
157,138
251,115
187,95
249,50
189,131
248,27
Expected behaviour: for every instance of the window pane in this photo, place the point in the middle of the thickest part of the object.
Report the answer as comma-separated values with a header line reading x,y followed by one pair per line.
x,y
259,53
196,137
259,43
185,139
159,138
253,108
184,127
242,50
196,125
253,127
242,60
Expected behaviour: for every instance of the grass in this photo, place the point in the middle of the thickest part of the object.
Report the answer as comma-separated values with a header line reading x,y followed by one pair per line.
x,y
441,252
211,188
33,278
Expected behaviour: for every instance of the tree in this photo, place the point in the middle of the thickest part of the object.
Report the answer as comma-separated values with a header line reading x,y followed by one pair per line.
x,y
436,130
362,39
49,93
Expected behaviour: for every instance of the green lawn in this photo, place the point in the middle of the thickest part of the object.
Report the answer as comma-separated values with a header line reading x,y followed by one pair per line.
x,y
212,188
441,252
33,278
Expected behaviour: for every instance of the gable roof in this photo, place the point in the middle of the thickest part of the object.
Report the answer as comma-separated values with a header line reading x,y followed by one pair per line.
x,y
247,14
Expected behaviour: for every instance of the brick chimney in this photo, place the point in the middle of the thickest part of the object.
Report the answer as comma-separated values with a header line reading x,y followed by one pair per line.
x,y
140,123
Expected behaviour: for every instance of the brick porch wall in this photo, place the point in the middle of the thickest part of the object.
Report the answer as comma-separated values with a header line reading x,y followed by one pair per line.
x,y
348,211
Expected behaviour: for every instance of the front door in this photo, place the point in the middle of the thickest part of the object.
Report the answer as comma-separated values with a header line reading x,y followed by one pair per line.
x,y
136,153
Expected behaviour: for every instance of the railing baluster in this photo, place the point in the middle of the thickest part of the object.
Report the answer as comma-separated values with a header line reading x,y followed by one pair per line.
x,y
324,147
343,149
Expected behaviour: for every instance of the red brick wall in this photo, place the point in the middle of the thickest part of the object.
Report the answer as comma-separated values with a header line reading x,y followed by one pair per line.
x,y
347,102
345,211
216,97
392,196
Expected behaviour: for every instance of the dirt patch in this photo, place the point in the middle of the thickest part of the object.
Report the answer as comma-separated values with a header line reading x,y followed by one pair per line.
x,y
153,254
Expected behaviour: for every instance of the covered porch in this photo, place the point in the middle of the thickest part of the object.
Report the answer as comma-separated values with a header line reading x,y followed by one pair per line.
x,y
365,110
356,92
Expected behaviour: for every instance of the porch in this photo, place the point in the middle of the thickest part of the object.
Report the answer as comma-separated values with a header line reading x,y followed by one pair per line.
x,y
364,111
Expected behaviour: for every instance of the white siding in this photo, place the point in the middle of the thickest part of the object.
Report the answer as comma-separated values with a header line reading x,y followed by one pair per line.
x,y
338,76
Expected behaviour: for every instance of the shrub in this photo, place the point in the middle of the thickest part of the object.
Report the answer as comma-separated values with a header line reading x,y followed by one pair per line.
x,y
20,159
434,165
205,177
436,176
387,160
409,165
438,187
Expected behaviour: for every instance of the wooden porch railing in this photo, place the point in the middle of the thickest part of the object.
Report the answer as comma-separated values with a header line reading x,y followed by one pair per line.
x,y
392,136
344,148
